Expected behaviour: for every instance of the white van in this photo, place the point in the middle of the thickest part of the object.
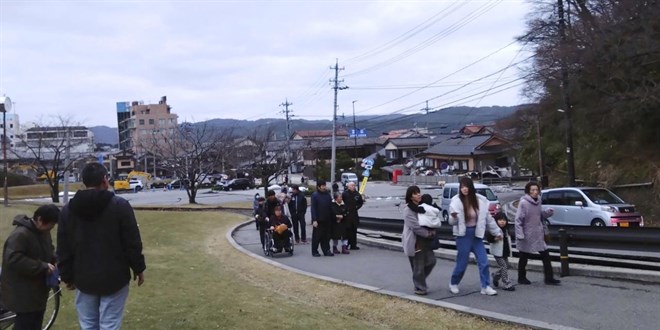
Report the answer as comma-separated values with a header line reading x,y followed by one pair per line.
x,y
347,177
451,189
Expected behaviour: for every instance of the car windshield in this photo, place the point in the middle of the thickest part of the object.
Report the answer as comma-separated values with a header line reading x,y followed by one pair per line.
x,y
602,196
486,192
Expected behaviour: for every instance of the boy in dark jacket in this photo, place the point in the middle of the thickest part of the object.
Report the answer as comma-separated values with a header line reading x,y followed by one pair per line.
x,y
298,208
322,218
98,244
28,257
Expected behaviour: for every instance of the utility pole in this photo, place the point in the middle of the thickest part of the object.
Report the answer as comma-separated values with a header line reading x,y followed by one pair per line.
x,y
286,112
570,162
66,165
355,137
428,142
336,87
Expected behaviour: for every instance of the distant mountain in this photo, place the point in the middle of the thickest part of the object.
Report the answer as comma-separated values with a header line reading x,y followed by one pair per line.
x,y
105,134
439,121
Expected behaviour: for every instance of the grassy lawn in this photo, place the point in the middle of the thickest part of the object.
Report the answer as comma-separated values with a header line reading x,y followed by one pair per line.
x,y
39,190
196,280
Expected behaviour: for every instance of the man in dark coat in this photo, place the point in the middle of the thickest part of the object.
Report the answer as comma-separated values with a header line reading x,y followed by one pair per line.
x,y
28,257
354,202
298,208
322,218
98,244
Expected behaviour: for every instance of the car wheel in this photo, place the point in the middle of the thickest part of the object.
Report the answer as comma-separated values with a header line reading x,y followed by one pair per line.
x,y
597,223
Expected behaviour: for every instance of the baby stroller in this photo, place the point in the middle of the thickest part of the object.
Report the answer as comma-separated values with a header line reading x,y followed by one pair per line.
x,y
270,249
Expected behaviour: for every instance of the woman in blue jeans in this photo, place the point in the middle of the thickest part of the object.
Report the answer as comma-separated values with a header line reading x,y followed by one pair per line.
x,y
470,217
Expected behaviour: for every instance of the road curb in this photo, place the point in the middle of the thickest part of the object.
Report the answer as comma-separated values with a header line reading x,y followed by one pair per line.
x,y
499,317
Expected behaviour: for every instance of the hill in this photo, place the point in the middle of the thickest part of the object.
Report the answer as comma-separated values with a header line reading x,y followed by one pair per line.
x,y
439,121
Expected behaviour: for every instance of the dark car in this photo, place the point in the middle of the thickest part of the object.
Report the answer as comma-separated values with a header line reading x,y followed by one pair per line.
x,y
176,184
240,183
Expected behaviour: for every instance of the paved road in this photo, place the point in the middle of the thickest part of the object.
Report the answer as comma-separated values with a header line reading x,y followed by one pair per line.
x,y
579,302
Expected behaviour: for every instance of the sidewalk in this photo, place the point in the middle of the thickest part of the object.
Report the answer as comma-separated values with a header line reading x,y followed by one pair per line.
x,y
579,302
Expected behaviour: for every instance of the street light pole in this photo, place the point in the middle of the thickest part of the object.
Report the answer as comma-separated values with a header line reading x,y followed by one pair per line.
x,y
5,105
355,137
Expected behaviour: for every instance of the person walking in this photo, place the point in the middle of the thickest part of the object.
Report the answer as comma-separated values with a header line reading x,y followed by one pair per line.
x,y
28,258
322,218
530,234
501,250
298,208
354,202
98,244
255,206
469,216
416,241
339,225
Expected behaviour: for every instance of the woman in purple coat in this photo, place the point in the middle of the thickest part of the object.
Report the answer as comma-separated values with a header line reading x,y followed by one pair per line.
x,y
530,233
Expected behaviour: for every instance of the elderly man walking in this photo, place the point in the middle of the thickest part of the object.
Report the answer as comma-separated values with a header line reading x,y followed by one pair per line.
x,y
354,202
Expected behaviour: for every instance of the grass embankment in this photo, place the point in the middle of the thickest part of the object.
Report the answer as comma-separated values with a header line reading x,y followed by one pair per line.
x,y
38,190
196,280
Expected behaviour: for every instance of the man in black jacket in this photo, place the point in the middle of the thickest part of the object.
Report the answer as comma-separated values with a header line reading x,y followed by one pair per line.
x,y
322,218
353,201
28,257
298,208
98,244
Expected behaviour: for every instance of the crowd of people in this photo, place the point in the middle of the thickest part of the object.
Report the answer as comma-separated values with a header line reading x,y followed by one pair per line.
x,y
471,224
334,218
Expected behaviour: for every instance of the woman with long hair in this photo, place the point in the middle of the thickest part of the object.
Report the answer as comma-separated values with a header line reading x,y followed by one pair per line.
x,y
416,241
469,217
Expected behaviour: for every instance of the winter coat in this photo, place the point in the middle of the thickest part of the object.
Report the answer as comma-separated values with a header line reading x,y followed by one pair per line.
x,y
25,258
269,206
431,217
322,207
339,228
354,202
275,221
530,230
298,205
98,242
484,219
497,248
414,236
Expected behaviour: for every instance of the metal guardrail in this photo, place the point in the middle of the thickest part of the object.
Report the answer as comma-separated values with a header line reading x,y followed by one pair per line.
x,y
601,243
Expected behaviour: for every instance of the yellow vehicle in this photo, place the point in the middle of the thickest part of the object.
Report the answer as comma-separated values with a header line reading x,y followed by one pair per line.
x,y
135,180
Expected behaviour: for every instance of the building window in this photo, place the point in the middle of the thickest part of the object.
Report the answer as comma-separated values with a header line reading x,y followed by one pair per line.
x,y
172,121
161,122
141,122
11,125
391,154
125,163
151,121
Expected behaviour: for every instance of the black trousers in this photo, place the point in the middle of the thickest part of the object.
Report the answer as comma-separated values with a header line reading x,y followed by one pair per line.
x,y
299,230
29,321
321,235
545,258
351,231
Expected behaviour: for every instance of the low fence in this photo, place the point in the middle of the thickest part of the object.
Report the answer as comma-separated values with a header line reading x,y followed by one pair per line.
x,y
433,180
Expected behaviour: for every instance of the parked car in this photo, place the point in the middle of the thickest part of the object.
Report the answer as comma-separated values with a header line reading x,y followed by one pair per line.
x,y
587,206
450,190
135,184
347,177
178,184
239,183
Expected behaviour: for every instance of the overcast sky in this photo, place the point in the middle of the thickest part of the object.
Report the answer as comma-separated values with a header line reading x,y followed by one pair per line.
x,y
242,59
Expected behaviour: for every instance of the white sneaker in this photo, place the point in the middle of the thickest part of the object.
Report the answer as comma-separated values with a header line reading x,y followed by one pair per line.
x,y
454,288
488,291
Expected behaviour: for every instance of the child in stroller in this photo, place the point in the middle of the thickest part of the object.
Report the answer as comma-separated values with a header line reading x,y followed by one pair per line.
x,y
280,226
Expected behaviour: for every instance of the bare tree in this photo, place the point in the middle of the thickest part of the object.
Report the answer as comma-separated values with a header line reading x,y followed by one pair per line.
x,y
191,151
269,158
46,146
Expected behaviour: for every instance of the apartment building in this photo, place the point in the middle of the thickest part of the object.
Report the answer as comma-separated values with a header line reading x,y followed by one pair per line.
x,y
13,130
140,125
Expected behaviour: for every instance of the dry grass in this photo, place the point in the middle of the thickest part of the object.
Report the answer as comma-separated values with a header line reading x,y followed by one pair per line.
x,y
196,280
38,190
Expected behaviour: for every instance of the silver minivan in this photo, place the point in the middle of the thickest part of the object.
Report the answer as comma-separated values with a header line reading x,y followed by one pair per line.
x,y
451,189
586,206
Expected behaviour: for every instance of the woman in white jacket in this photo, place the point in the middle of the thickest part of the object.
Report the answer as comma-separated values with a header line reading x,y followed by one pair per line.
x,y
469,216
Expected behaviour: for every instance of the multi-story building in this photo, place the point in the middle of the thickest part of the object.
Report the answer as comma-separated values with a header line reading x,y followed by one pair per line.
x,y
47,141
140,124
13,130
